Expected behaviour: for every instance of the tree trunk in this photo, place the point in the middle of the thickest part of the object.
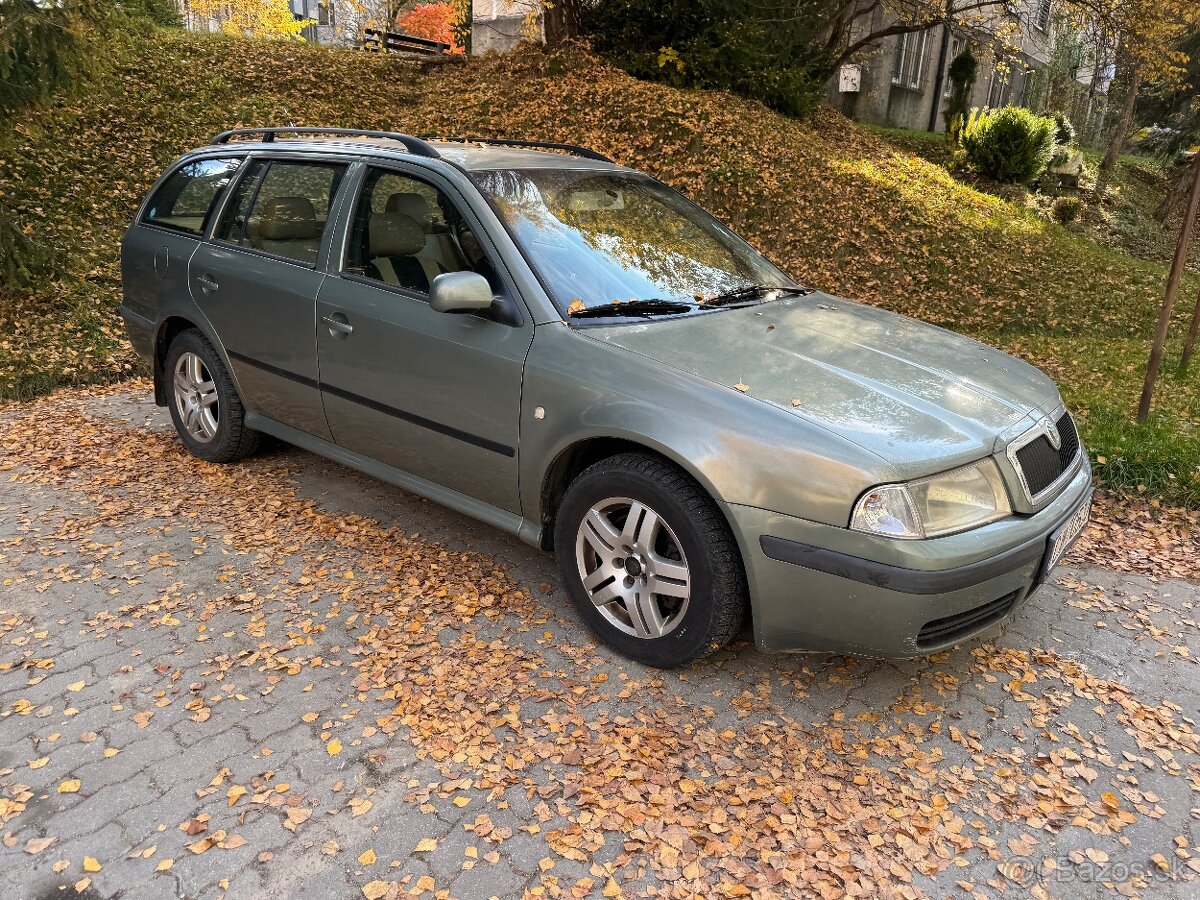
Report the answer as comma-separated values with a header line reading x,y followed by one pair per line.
x,y
1125,122
561,20
1158,345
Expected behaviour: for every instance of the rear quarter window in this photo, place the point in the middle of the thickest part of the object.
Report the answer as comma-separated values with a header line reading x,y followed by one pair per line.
x,y
185,201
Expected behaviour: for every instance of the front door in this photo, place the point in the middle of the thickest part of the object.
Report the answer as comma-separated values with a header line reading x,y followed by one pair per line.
x,y
257,281
437,395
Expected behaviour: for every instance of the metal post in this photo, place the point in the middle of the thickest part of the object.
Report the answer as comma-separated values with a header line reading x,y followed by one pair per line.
x,y
1164,314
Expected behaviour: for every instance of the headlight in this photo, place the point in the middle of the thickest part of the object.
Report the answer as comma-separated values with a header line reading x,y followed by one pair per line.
x,y
930,507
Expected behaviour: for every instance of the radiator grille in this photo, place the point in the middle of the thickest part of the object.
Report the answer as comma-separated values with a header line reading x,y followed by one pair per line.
x,y
1042,465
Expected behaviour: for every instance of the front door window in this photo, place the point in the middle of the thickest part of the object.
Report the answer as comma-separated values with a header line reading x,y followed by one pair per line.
x,y
406,232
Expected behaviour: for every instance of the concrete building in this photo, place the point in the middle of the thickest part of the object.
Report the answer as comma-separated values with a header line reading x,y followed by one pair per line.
x,y
903,82
499,25
327,18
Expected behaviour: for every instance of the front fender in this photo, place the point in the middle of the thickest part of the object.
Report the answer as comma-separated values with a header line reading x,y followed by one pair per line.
x,y
741,450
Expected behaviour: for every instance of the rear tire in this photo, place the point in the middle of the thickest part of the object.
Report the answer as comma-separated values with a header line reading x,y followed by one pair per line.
x,y
204,403
649,561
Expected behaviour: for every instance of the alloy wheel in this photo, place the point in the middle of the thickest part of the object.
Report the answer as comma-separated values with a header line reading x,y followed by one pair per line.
x,y
196,397
633,567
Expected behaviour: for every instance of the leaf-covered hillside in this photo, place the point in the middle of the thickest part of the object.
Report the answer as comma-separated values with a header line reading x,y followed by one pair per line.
x,y
838,207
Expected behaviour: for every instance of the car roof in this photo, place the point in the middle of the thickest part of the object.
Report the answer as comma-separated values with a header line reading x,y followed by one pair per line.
x,y
468,155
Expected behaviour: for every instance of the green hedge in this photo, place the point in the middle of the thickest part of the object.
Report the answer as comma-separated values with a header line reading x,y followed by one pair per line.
x,y
1010,145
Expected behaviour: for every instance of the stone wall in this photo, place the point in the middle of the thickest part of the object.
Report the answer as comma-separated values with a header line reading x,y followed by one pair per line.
x,y
499,25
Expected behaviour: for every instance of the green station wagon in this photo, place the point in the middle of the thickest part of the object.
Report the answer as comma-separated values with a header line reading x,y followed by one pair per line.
x,y
573,352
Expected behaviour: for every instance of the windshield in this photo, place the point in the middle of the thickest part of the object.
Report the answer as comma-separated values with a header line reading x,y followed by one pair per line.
x,y
598,238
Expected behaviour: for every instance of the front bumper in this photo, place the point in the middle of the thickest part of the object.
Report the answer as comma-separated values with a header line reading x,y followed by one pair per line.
x,y
815,587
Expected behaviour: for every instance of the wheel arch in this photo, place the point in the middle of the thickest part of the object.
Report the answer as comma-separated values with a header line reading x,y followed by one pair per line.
x,y
171,326
573,459
168,329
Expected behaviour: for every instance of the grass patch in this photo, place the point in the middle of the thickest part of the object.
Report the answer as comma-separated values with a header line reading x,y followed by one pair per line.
x,y
837,205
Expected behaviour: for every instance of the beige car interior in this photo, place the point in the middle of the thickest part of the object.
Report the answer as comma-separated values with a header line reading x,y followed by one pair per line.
x,y
287,226
407,248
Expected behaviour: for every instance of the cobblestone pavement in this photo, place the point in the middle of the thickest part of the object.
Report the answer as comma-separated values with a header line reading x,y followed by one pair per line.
x,y
284,679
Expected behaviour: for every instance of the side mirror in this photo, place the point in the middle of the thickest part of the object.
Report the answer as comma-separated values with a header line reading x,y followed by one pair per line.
x,y
460,292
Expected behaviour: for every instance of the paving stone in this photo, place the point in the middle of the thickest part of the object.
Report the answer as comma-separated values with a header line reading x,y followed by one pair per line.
x,y
138,798
487,880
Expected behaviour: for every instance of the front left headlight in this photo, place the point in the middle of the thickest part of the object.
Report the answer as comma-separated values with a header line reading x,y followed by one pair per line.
x,y
931,507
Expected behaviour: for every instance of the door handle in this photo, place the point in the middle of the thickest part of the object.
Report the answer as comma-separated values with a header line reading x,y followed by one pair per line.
x,y
338,324
207,283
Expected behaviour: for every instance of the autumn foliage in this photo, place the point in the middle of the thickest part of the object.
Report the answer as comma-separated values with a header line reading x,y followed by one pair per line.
x,y
834,204
260,18
432,21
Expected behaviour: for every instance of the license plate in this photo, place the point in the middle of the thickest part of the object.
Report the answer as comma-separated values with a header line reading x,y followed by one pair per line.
x,y
1067,534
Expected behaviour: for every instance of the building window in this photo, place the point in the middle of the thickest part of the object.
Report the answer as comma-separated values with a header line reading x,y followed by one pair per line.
x,y
325,13
909,68
956,47
998,91
1042,17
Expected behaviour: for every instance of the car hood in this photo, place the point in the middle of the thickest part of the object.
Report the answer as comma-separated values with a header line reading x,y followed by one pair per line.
x,y
912,393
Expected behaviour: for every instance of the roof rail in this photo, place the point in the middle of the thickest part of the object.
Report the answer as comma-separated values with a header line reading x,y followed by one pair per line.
x,y
533,145
414,145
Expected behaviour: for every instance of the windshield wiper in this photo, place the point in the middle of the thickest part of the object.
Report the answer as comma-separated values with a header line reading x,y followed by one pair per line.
x,y
750,291
633,308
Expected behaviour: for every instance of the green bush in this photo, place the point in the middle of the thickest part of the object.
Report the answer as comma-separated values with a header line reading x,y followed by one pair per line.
x,y
23,261
771,51
1010,145
1064,131
963,71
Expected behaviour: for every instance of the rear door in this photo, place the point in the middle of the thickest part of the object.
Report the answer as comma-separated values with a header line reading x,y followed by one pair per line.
x,y
435,394
258,277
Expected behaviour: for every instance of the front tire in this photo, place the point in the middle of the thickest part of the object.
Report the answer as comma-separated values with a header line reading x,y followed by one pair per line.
x,y
649,561
204,403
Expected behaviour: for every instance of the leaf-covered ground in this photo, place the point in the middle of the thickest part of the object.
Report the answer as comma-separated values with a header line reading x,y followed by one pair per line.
x,y
280,678
837,206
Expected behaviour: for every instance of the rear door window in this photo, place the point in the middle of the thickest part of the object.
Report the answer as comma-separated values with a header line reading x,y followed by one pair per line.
x,y
282,207
188,197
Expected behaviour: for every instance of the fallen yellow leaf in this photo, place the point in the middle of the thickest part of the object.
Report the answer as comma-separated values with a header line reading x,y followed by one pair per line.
x,y
367,858
76,687
373,890
70,786
91,864
164,865
334,747
38,763
426,845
